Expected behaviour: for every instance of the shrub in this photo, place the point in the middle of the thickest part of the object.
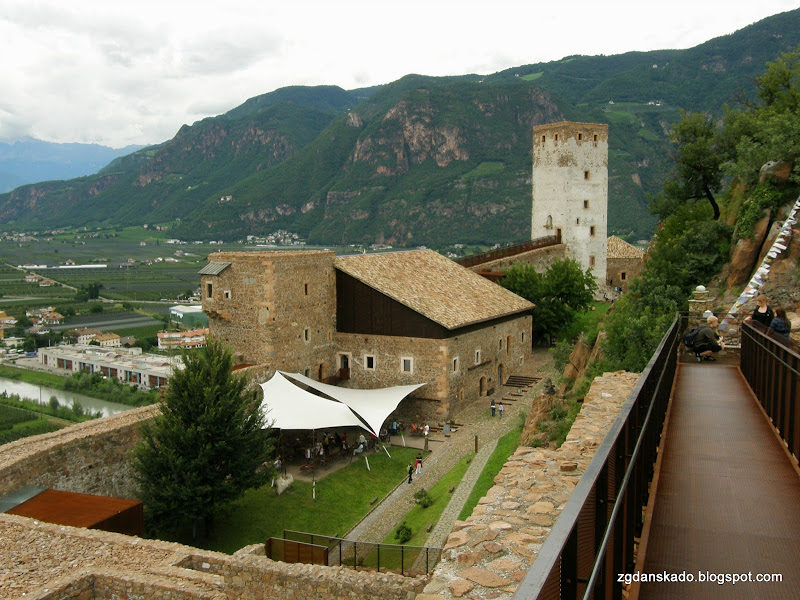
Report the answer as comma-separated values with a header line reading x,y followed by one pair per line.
x,y
423,498
403,533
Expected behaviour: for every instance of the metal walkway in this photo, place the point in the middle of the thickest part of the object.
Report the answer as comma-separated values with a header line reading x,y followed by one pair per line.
x,y
728,496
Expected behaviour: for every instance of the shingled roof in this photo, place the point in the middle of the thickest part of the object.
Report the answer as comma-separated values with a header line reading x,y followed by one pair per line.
x,y
619,248
434,286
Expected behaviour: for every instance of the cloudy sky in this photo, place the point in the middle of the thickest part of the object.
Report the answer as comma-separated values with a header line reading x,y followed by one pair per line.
x,y
118,72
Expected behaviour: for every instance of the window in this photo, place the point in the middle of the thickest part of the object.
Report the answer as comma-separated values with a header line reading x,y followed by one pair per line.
x,y
407,365
344,361
307,372
585,204
591,230
591,260
578,221
555,137
500,344
558,233
209,290
580,136
477,357
508,343
595,137
523,336
622,275
369,362
544,137
455,364
226,294
586,175
307,334
305,289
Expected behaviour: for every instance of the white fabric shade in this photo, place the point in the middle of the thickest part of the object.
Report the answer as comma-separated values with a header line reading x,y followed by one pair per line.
x,y
373,406
286,406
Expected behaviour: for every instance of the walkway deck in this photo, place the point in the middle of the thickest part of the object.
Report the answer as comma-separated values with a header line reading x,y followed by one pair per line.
x,y
728,497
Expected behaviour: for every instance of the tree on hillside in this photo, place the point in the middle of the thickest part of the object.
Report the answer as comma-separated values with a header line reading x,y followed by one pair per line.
x,y
559,293
698,161
204,449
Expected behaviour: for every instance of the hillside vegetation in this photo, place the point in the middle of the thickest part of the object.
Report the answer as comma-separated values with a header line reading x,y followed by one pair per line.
x,y
421,160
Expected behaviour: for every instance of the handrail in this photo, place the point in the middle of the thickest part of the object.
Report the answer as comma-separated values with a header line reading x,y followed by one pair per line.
x,y
631,444
506,251
771,365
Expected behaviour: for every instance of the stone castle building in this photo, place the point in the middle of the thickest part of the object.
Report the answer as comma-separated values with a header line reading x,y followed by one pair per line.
x,y
570,190
625,261
369,321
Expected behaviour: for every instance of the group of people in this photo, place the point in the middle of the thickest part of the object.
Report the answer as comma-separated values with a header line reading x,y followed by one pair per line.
x,y
708,341
496,407
775,320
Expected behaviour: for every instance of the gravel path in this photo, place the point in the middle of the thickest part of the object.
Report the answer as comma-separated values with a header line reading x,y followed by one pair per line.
x,y
474,420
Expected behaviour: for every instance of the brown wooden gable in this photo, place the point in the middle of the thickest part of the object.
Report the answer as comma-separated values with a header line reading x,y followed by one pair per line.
x,y
362,309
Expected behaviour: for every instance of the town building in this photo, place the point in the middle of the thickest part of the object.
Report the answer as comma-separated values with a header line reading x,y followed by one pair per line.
x,y
170,340
127,365
108,340
369,321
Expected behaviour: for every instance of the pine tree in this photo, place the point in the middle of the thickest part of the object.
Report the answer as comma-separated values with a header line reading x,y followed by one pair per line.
x,y
205,448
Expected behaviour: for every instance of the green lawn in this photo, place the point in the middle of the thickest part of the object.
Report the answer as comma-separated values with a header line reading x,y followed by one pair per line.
x,y
342,499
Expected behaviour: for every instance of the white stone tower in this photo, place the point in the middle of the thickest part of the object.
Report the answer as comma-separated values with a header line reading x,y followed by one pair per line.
x,y
570,190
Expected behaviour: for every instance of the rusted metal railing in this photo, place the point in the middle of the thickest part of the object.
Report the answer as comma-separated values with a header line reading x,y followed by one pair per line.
x,y
771,365
593,539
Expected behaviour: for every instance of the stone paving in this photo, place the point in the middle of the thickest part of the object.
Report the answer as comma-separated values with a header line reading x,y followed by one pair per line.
x,y
474,420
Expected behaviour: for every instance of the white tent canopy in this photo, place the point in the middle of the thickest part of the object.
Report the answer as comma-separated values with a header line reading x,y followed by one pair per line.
x,y
287,406
373,406
290,407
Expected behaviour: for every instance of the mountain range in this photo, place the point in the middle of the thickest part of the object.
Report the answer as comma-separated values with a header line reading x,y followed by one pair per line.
x,y
32,161
422,160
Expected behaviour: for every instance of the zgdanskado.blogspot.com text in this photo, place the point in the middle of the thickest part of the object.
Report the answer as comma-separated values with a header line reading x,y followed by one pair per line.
x,y
700,577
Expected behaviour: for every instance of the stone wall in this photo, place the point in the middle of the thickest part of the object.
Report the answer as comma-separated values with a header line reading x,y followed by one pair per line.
x,y
489,554
540,258
617,266
275,308
89,458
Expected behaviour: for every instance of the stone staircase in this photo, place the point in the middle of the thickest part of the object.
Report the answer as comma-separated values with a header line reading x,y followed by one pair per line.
x,y
516,387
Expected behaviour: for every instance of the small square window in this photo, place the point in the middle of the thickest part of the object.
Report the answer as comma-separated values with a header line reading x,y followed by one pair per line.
x,y
595,137
544,137
591,260
369,362
477,357
585,204
500,344
555,137
586,175
622,275
578,221
307,334
226,294
591,230
580,136
209,290
407,365
305,289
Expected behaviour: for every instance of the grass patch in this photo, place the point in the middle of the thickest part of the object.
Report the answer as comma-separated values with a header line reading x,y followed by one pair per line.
x,y
586,322
343,498
506,446
419,518
532,76
485,169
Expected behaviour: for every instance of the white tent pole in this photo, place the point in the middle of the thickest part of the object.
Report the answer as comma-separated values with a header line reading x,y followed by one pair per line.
x,y
367,459
385,450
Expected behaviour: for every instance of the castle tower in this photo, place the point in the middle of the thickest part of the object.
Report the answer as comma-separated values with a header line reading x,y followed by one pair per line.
x,y
570,190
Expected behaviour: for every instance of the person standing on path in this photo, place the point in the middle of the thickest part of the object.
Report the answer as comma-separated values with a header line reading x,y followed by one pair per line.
x,y
410,472
419,464
492,406
500,410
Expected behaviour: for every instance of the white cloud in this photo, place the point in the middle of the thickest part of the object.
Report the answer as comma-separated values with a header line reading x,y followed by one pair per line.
x,y
133,72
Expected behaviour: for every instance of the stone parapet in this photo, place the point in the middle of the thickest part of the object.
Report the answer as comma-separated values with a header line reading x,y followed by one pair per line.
x,y
489,554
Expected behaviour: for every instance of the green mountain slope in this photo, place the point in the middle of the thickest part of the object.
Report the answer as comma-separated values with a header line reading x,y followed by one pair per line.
x,y
421,160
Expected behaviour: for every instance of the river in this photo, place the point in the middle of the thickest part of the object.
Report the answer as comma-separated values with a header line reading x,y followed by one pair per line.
x,y
32,391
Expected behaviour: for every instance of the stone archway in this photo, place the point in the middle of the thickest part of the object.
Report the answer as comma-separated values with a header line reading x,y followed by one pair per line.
x,y
484,386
